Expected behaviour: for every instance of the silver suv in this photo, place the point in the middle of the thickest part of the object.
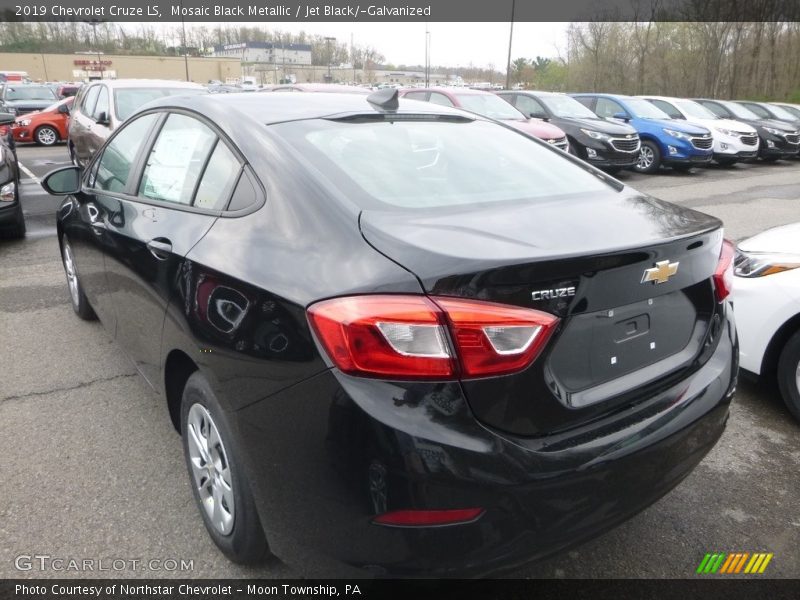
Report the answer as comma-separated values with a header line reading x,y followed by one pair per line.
x,y
101,106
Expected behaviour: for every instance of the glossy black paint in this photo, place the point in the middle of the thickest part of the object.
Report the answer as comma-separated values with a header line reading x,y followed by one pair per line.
x,y
608,156
325,452
781,147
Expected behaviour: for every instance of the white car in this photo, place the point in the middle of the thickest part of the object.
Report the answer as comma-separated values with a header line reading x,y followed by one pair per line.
x,y
733,140
766,301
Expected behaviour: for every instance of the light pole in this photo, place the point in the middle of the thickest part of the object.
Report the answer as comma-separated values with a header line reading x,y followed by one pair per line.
x,y
183,42
328,41
510,39
94,24
427,56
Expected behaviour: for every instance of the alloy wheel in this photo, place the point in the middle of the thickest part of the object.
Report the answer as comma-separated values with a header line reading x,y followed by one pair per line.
x,y
210,469
72,275
646,158
46,136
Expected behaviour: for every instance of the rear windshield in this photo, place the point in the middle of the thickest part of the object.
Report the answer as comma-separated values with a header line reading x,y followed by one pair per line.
x,y
430,164
129,100
24,92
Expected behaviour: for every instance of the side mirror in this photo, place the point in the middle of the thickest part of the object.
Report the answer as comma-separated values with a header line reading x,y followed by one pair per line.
x,y
102,118
7,118
60,182
63,109
621,115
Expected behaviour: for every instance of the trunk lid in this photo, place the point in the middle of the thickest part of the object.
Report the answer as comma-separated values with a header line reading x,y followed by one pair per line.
x,y
583,260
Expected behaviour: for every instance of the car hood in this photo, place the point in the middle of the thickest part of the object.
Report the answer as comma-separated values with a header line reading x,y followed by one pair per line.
x,y
536,128
739,126
780,240
598,124
782,125
680,125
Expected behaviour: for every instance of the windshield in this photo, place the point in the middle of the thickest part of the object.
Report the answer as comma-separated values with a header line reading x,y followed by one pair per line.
x,y
29,92
430,164
693,109
645,110
128,100
566,107
739,111
489,105
782,113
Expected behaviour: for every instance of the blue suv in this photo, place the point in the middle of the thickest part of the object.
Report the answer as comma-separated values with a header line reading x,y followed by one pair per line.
x,y
665,141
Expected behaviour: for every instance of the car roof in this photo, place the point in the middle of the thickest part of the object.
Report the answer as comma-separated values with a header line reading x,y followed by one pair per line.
x,y
277,108
138,83
322,87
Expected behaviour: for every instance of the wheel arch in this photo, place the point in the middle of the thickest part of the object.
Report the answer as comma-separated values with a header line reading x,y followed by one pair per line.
x,y
769,363
177,369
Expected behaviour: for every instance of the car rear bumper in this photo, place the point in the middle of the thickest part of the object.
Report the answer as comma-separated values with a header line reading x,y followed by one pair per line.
x,y
326,456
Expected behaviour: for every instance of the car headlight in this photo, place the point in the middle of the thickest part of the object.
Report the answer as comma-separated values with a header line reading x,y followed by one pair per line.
x,y
724,131
22,123
761,264
774,131
8,192
595,135
677,134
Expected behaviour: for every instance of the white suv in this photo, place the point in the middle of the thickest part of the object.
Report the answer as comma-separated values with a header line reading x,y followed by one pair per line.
x,y
733,140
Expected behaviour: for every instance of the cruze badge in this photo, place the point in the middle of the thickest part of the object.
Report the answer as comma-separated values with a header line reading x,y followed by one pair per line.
x,y
554,293
661,272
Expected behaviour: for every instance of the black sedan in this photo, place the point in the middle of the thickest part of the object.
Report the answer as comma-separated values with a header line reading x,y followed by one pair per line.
x,y
369,320
605,144
12,221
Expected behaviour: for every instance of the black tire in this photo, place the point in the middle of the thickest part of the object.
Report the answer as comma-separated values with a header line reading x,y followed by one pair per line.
x,y
246,542
77,298
788,382
49,134
652,167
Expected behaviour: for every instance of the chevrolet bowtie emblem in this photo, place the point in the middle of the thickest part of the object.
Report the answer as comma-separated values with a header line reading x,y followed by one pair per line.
x,y
661,272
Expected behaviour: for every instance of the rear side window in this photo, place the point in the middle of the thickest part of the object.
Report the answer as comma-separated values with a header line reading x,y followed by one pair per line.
x,y
218,179
114,166
418,164
176,160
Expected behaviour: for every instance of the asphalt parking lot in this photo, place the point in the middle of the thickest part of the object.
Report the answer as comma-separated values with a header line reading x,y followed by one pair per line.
x,y
93,469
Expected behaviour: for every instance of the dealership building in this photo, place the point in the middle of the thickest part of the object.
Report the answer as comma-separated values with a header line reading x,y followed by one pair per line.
x,y
266,52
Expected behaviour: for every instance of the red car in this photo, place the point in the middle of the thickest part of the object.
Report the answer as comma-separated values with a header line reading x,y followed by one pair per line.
x,y
486,104
45,127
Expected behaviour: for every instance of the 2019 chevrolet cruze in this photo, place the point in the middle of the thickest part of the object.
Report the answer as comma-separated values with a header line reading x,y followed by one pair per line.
x,y
399,338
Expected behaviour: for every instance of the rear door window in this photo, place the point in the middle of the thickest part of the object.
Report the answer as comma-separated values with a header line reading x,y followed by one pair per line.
x,y
101,107
176,160
89,100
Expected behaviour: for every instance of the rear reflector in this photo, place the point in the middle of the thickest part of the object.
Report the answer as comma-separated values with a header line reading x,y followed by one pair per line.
x,y
416,337
427,518
723,276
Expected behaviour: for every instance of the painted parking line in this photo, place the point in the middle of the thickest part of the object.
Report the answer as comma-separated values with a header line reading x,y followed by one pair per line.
x,y
28,172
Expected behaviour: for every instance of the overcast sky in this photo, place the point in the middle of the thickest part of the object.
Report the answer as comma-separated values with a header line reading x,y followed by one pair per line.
x,y
452,44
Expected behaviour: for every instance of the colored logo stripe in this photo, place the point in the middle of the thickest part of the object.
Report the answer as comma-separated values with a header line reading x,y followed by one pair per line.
x,y
734,562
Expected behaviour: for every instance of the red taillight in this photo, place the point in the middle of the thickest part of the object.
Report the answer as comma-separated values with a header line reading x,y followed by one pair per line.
x,y
427,518
723,276
494,338
415,337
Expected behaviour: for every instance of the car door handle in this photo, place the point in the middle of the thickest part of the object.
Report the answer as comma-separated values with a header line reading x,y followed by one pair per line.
x,y
160,248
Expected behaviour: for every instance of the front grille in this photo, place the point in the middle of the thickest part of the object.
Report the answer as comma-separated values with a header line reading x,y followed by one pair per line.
x,y
749,139
793,138
703,143
626,144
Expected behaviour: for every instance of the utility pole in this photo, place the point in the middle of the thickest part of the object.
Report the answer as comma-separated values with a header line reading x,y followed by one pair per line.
x,y
328,41
427,33
510,39
185,55
353,57
94,23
